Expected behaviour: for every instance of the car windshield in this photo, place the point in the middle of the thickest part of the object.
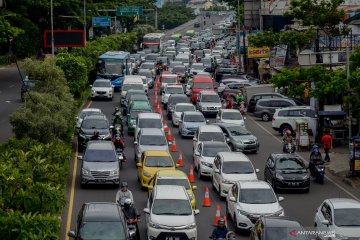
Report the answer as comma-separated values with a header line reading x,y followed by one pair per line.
x,y
174,100
96,155
102,84
347,217
150,123
194,118
210,98
88,113
197,67
174,90
174,181
183,108
178,69
203,85
147,66
146,73
257,196
168,80
158,161
153,140
102,230
113,67
212,136
232,115
290,164
138,97
282,233
206,60
172,207
238,131
237,167
211,151
94,124
126,87
135,113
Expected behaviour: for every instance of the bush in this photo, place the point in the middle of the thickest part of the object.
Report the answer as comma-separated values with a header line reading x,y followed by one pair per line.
x,y
4,60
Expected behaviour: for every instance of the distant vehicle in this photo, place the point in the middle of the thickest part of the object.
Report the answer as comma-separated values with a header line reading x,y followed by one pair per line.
x,y
200,83
265,108
208,102
179,109
189,123
87,112
196,25
154,42
230,116
102,88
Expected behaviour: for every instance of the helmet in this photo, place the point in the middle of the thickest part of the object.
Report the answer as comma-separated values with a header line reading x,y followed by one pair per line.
x,y
127,203
117,109
221,221
117,114
124,184
288,132
316,152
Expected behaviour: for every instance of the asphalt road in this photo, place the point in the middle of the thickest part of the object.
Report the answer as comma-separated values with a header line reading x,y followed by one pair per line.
x,y
10,100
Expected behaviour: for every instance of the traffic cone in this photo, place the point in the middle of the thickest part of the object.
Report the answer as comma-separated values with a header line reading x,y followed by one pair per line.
x,y
169,137
156,102
206,202
158,109
191,174
180,160
173,146
166,128
217,215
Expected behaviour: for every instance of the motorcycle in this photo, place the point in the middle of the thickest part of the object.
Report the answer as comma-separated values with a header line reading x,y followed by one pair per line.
x,y
229,236
289,148
318,171
121,156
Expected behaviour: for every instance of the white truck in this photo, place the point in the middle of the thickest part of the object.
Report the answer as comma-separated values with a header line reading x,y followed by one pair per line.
x,y
249,91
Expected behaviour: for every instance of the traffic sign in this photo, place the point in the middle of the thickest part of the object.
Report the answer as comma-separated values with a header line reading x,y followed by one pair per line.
x,y
129,11
101,21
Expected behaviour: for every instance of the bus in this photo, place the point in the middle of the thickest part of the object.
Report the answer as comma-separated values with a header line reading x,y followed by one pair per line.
x,y
176,37
154,42
190,33
114,65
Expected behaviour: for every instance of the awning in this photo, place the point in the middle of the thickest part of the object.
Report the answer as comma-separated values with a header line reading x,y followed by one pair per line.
x,y
331,113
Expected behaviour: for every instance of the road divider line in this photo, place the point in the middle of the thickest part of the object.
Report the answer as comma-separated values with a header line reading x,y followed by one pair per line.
x,y
328,178
89,104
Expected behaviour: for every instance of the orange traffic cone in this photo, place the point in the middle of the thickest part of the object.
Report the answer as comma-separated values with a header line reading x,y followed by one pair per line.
x,y
158,109
166,128
169,137
173,146
191,174
156,102
217,215
180,160
206,202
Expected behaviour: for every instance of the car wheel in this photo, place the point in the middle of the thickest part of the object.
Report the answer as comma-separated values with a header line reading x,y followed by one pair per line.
x,y
236,229
199,172
284,129
273,186
265,117
231,147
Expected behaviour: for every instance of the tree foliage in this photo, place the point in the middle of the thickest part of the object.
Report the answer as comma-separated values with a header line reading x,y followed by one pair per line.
x,y
173,15
355,60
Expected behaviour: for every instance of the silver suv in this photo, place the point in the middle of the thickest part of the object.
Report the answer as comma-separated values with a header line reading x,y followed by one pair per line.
x,y
208,102
265,108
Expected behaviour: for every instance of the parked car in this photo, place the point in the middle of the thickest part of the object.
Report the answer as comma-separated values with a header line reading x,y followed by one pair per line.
x,y
230,167
179,109
150,139
265,108
286,171
101,220
102,88
189,123
230,116
208,102
239,138
247,201
169,214
256,97
152,161
100,164
204,155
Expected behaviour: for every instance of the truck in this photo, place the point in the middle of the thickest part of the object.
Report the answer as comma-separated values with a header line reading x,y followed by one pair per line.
x,y
249,91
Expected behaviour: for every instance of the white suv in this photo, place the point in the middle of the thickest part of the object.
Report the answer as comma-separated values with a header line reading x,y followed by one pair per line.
x,y
169,214
285,118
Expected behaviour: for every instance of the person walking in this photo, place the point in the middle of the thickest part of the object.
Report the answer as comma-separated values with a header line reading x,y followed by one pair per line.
x,y
326,141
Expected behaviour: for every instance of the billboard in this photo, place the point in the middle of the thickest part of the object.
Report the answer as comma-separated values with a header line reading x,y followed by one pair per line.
x,y
101,21
254,52
65,38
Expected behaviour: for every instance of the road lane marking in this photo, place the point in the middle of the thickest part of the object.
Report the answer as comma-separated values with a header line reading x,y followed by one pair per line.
x,y
72,191
328,178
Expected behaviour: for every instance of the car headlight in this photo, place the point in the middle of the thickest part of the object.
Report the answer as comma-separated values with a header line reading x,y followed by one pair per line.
x,y
85,172
107,136
279,176
93,91
114,172
146,174
110,91
206,164
306,176
241,212
154,225
203,108
132,123
191,226
280,212
224,181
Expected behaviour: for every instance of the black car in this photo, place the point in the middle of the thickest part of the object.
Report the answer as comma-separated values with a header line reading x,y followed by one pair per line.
x,y
287,171
90,125
275,228
196,25
101,220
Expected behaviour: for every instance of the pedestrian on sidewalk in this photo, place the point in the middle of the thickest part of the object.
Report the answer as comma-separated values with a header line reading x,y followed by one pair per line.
x,y
326,141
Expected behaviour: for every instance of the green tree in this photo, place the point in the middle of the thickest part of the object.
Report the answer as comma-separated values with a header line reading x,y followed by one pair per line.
x,y
355,60
265,38
173,15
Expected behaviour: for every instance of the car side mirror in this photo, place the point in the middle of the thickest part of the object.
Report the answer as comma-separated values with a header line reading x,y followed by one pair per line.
x,y
71,234
325,222
194,188
132,233
194,139
139,165
90,85
77,118
180,120
128,114
281,199
218,117
196,211
227,139
257,170
80,158
147,210
217,171
135,142
111,127
232,199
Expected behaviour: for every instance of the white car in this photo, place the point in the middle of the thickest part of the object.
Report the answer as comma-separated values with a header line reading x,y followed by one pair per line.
x,y
147,120
205,154
179,109
230,116
208,133
248,200
169,213
230,167
102,88
86,112
170,89
196,68
338,217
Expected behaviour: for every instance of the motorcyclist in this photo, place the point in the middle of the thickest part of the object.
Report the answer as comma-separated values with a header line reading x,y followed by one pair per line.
x,y
240,98
118,121
117,110
95,136
118,142
159,67
287,138
315,159
131,214
123,194
220,231
229,104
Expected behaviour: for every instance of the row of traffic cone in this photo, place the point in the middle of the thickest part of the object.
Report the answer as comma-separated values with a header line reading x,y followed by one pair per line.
x,y
218,216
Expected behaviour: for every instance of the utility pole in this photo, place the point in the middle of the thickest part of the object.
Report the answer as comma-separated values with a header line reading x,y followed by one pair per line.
x,y
349,90
239,29
156,18
52,28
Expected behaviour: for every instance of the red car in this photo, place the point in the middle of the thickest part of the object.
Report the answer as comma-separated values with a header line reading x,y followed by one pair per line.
x,y
200,83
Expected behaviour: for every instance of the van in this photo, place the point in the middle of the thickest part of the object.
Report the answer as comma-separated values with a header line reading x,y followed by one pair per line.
x,y
148,120
200,83
184,58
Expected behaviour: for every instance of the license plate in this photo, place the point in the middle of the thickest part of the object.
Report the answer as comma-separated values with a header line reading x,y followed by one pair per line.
x,y
100,180
294,184
172,238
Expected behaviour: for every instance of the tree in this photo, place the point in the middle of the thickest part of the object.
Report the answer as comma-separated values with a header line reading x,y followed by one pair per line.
x,y
173,15
355,60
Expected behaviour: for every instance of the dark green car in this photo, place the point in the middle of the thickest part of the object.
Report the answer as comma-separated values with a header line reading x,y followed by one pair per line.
x,y
134,109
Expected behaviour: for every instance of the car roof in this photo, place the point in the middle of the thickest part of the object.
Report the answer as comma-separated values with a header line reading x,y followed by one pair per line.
x,y
149,115
213,143
171,174
102,211
230,110
273,221
100,145
209,128
100,117
234,157
157,153
208,92
152,131
184,104
192,113
253,184
195,64
275,99
174,86
102,80
178,95
169,75
226,125
202,78
294,108
339,203
284,155
140,105
170,192
91,110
